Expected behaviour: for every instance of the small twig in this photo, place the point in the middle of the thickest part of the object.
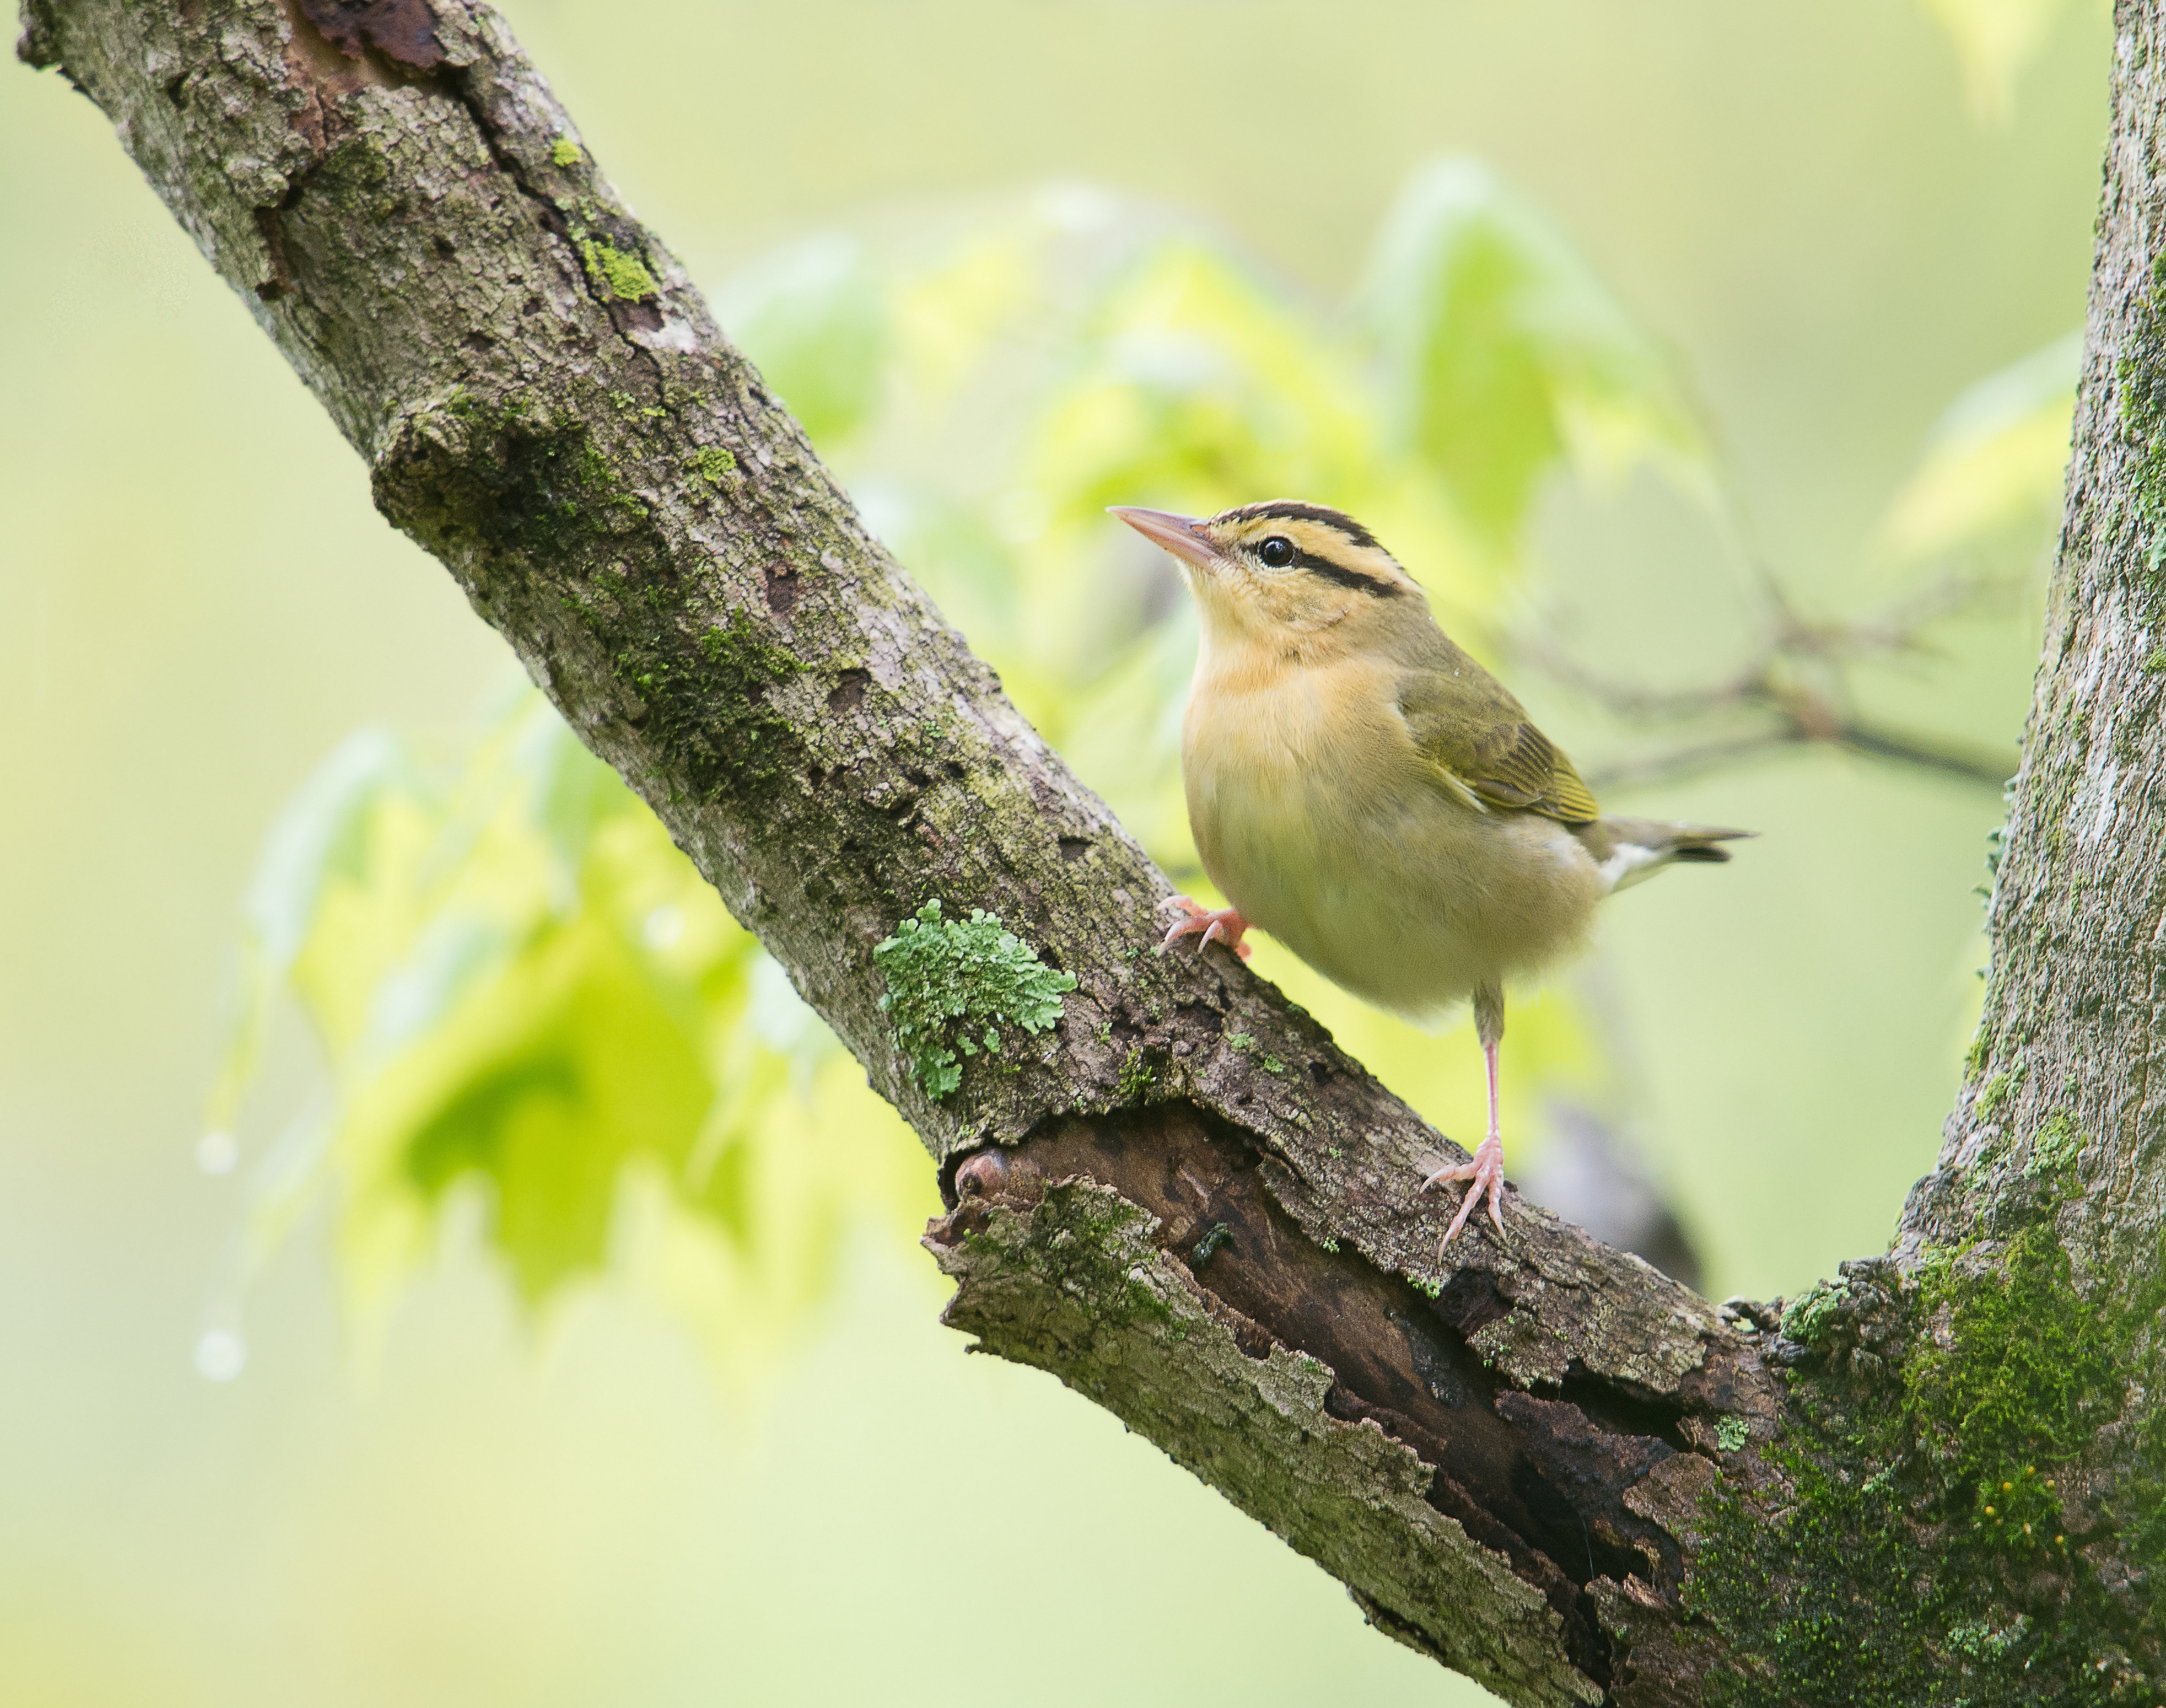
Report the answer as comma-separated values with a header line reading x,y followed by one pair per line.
x,y
1796,682
1973,762
1970,763
1683,762
1645,705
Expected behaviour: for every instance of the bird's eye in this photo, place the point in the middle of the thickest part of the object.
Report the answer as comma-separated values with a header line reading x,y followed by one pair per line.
x,y
1276,551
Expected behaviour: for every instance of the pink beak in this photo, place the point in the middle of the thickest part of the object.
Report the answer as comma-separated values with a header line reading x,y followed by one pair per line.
x,y
1182,536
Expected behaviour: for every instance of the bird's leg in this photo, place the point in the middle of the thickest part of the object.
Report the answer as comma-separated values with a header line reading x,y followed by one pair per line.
x,y
1220,924
1485,1174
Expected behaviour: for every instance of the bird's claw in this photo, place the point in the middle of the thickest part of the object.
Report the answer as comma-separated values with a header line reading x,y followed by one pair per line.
x,y
1215,924
1485,1179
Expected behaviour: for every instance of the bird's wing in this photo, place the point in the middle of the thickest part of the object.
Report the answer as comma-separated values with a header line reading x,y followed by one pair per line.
x,y
1484,748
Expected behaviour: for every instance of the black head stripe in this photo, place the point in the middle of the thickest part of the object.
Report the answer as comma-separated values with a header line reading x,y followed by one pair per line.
x,y
1292,511
1344,577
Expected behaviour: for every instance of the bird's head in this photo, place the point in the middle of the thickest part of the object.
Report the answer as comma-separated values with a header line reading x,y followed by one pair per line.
x,y
1284,572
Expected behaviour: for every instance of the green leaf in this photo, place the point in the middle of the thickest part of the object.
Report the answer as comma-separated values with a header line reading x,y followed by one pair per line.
x,y
525,993
1198,385
1994,464
1993,40
571,1062
321,834
1501,352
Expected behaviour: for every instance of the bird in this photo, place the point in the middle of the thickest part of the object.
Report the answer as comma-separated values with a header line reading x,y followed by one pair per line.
x,y
1363,790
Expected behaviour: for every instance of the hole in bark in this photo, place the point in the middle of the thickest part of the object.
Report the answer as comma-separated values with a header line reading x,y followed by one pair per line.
x,y
273,234
1621,1413
781,581
1471,1302
1074,847
402,30
634,317
849,691
1541,1480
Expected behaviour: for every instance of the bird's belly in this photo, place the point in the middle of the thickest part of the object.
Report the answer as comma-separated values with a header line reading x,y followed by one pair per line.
x,y
1399,894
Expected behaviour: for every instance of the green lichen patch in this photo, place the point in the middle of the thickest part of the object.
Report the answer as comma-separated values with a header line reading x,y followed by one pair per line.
x,y
1998,1089
566,152
1097,1249
1244,1044
622,276
952,983
1931,1547
711,464
747,657
353,175
2055,1146
1731,1433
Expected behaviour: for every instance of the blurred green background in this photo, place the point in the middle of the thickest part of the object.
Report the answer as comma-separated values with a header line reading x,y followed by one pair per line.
x,y
684,1481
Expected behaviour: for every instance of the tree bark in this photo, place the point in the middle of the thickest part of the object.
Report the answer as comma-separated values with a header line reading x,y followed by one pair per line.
x,y
1540,1462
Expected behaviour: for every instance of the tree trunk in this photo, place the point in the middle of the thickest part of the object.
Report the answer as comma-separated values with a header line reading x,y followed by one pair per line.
x,y
1541,1462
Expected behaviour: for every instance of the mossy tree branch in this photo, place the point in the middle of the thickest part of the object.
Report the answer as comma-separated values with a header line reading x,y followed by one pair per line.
x,y
1542,1463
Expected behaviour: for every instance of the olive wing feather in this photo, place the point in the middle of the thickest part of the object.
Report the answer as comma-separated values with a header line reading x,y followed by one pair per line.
x,y
1482,744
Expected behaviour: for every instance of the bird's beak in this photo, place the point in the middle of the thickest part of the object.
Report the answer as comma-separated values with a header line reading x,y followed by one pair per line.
x,y
1182,536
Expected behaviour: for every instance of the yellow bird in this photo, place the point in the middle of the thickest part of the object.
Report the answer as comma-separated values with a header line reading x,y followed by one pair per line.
x,y
1362,789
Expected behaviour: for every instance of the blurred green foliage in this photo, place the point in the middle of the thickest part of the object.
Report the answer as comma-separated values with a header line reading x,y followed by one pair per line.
x,y
1993,465
519,983
1498,348
1993,40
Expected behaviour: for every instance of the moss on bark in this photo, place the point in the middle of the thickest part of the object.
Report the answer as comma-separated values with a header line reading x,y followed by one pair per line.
x,y
1934,1531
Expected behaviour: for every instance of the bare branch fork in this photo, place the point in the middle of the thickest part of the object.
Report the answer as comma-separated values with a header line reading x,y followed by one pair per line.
x,y
1793,690
1522,1464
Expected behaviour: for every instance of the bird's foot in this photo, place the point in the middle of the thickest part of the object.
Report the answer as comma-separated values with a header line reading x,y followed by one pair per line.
x,y
1217,924
1485,1179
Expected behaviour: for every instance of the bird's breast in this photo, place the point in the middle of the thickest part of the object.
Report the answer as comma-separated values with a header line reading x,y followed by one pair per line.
x,y
1315,814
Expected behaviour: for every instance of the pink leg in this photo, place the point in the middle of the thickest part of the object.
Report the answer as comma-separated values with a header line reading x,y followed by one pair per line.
x,y
1485,1174
1220,924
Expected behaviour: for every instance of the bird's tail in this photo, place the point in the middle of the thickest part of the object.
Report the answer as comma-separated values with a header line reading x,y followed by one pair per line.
x,y
1629,850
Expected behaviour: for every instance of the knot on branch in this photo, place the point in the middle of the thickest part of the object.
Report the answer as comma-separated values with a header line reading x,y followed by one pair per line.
x,y
1858,1323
